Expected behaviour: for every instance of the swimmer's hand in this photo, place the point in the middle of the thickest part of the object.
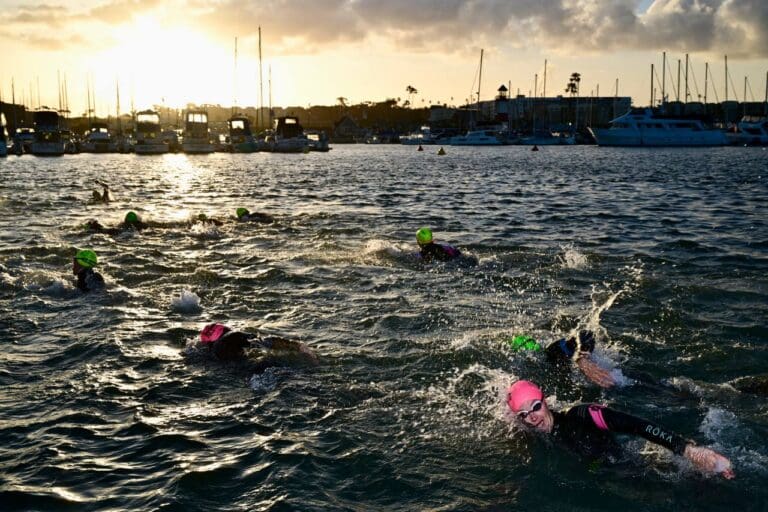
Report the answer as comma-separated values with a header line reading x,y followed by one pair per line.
x,y
709,461
595,372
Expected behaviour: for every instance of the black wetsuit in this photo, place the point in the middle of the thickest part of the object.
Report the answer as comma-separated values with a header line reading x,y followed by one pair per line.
x,y
439,252
264,218
89,280
589,428
231,347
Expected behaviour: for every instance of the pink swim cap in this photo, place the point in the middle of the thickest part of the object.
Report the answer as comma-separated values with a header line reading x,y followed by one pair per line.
x,y
213,332
521,392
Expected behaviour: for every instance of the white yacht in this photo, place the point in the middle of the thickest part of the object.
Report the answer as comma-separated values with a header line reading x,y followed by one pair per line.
x,y
643,127
148,134
476,138
422,137
3,136
753,131
48,140
197,136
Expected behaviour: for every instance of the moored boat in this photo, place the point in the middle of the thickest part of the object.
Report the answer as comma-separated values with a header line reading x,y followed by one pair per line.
x,y
288,136
197,136
476,138
752,131
241,138
148,134
98,139
48,139
646,128
3,136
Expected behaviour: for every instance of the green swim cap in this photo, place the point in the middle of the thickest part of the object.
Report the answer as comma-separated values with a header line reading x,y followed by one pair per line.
x,y
86,258
523,342
241,211
424,235
202,216
131,218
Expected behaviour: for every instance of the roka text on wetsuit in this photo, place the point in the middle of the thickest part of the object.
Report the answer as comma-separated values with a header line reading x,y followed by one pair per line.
x,y
589,429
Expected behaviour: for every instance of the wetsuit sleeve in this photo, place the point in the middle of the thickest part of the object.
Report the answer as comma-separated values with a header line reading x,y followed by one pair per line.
x,y
614,421
567,349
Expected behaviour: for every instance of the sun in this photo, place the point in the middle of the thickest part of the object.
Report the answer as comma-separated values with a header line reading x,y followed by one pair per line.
x,y
158,63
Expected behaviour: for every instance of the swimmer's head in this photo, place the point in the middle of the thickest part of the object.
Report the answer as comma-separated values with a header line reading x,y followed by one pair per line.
x,y
241,211
86,258
202,217
523,342
131,218
213,332
520,392
424,236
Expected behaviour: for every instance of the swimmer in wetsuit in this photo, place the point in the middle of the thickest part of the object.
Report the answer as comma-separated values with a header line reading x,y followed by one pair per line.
x,y
431,251
226,345
104,196
132,222
243,215
589,428
82,266
567,351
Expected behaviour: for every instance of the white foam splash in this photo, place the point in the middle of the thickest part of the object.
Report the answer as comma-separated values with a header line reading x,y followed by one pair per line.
x,y
573,259
187,302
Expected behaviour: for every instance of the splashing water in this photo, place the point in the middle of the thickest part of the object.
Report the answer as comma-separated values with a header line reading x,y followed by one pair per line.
x,y
186,303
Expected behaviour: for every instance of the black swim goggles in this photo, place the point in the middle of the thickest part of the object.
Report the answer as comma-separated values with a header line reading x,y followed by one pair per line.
x,y
535,407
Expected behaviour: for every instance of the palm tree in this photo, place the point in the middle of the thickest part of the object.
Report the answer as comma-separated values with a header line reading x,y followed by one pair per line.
x,y
573,89
411,90
342,101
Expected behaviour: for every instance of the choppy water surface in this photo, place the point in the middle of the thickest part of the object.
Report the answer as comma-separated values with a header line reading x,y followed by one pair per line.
x,y
663,252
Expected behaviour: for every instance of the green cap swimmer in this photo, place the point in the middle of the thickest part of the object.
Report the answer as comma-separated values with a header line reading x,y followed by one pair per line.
x,y
523,342
424,236
131,218
86,258
241,211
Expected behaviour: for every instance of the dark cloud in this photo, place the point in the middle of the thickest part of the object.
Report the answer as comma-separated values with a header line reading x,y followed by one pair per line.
x,y
735,27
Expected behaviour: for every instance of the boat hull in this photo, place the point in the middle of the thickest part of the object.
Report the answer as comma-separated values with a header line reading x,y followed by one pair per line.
x,y
609,137
48,148
197,147
157,148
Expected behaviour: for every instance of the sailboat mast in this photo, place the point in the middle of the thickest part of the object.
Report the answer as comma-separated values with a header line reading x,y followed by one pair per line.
x,y
117,109
686,78
706,81
270,95
234,83
58,83
663,77
677,97
651,84
261,86
726,78
479,82
544,92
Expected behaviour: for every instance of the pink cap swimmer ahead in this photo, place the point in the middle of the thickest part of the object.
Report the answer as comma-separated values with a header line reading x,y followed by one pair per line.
x,y
213,332
521,392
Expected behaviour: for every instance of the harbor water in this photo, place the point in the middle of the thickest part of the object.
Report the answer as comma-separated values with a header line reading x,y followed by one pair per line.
x,y
662,252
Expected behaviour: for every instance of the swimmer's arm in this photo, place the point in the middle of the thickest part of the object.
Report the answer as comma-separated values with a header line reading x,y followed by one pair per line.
x,y
622,423
704,459
278,343
594,372
709,461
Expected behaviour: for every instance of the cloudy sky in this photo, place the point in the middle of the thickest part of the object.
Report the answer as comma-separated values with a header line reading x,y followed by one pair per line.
x,y
183,50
